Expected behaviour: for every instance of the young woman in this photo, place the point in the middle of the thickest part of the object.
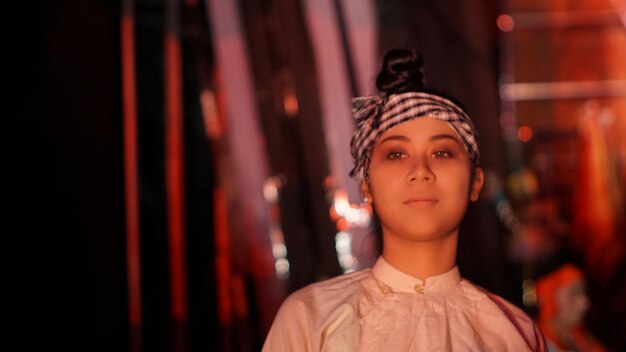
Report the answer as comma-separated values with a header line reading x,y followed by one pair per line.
x,y
417,160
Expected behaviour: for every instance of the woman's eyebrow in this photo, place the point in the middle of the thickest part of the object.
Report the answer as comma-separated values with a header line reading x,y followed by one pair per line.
x,y
444,136
403,138
395,137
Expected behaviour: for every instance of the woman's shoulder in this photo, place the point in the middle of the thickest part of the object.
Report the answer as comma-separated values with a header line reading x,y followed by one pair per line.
x,y
332,289
309,315
489,302
320,301
493,308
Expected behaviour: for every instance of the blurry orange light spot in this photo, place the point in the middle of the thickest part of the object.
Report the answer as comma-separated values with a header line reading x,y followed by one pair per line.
x,y
505,23
341,203
290,102
342,225
525,133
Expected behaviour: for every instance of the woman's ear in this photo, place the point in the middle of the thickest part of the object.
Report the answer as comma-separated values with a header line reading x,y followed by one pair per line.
x,y
365,190
477,184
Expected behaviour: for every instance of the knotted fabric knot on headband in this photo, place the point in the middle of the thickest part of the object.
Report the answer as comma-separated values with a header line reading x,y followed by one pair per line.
x,y
375,115
367,108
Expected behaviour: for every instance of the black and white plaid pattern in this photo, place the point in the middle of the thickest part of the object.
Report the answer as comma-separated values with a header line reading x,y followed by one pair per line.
x,y
376,114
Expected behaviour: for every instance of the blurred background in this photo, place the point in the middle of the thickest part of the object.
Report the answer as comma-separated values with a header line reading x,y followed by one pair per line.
x,y
192,157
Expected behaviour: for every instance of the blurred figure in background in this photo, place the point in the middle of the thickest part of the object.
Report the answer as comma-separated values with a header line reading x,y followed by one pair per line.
x,y
563,304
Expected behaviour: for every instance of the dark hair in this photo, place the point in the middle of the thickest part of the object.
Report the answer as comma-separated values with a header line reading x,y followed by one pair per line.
x,y
376,234
401,72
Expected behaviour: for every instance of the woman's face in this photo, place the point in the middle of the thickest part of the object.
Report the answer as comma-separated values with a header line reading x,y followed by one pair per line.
x,y
420,180
572,304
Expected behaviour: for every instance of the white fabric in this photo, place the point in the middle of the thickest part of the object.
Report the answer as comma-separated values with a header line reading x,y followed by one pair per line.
x,y
382,309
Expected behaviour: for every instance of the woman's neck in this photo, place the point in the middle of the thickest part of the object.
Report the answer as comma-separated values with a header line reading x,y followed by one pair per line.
x,y
421,259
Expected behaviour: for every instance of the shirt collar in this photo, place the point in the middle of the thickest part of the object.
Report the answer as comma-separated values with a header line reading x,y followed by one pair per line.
x,y
397,281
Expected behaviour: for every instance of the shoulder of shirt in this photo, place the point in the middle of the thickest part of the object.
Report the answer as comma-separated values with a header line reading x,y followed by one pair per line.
x,y
322,297
307,314
344,283
489,301
492,306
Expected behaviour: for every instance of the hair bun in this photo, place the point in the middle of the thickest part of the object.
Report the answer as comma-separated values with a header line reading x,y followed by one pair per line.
x,y
401,72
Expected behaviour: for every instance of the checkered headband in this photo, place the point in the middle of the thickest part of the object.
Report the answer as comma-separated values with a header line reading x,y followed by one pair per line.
x,y
375,115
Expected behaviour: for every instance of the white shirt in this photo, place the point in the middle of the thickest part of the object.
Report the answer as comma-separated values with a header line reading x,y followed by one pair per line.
x,y
384,309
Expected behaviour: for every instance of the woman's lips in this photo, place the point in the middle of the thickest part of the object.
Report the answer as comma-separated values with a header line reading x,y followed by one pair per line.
x,y
421,201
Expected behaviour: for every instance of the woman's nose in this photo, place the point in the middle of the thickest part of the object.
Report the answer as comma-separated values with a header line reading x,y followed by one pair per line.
x,y
421,171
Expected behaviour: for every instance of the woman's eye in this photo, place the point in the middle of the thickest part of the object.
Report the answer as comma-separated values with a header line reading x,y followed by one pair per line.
x,y
396,155
442,154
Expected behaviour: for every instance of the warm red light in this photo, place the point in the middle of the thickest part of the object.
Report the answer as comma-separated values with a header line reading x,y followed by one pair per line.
x,y
525,133
505,23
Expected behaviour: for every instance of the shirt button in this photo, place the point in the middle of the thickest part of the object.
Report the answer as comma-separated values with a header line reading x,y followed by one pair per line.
x,y
385,290
419,288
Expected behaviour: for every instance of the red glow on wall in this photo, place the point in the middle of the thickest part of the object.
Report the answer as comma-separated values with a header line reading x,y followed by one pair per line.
x,y
174,166
129,101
